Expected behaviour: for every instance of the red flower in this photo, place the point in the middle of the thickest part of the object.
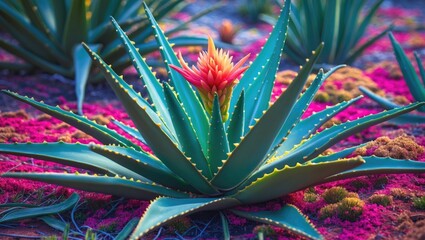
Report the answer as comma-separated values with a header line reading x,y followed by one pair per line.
x,y
213,74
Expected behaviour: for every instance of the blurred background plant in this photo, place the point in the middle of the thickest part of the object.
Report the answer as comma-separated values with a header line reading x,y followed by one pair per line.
x,y
339,24
251,10
227,31
47,34
412,79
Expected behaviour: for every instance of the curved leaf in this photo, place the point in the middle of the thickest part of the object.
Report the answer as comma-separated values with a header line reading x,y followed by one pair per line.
x,y
75,155
218,145
82,64
152,84
288,217
189,143
308,126
164,210
102,184
144,164
100,132
40,211
281,182
380,165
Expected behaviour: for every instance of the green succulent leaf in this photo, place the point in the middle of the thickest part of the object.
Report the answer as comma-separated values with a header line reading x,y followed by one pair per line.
x,y
421,67
130,130
253,148
258,94
225,226
143,164
290,179
187,96
152,84
35,41
124,187
127,230
270,48
101,11
380,165
19,214
236,124
100,132
340,24
387,104
164,210
133,102
190,144
328,137
82,63
355,54
308,126
54,223
409,72
218,145
338,155
75,30
32,58
331,27
288,217
35,17
70,154
303,102
325,139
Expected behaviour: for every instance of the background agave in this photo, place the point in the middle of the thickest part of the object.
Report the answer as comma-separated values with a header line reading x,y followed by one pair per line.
x,y
49,33
412,79
201,163
339,24
253,9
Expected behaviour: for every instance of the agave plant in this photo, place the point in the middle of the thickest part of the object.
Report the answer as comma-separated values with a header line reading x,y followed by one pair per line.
x,y
339,24
412,79
49,34
200,161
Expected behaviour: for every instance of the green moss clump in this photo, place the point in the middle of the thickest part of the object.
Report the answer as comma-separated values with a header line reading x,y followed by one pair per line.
x,y
328,210
334,194
381,199
400,193
350,209
352,195
322,97
180,225
310,197
380,182
419,203
266,231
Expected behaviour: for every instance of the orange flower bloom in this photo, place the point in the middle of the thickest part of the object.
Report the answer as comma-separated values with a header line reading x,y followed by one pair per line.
x,y
214,74
227,31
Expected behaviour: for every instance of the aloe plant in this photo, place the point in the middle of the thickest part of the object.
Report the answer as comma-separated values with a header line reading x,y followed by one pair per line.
x,y
339,24
200,161
412,79
49,34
